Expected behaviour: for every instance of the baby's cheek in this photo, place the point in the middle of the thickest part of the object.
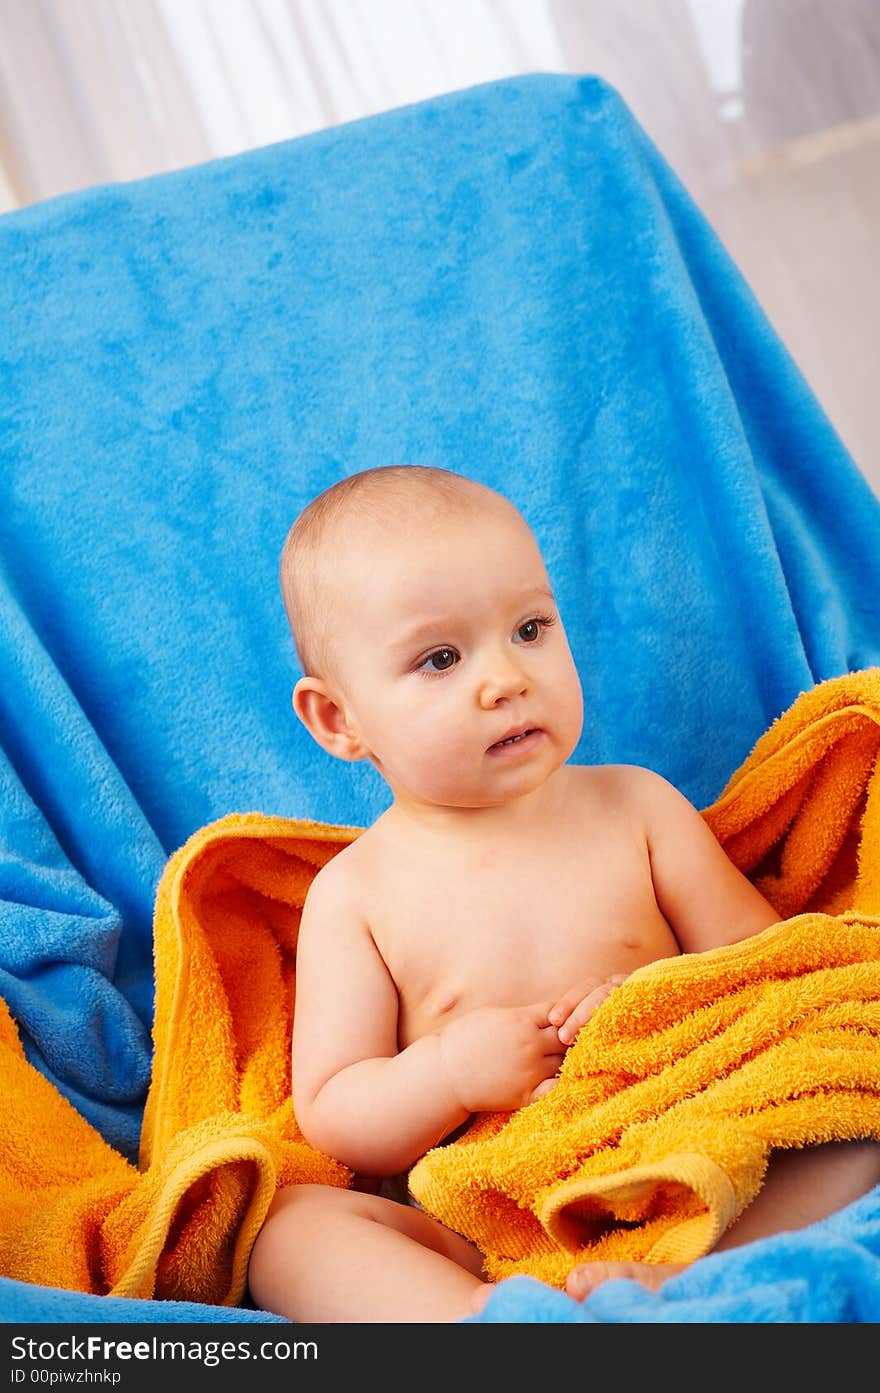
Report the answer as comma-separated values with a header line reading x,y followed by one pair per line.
x,y
441,758
571,713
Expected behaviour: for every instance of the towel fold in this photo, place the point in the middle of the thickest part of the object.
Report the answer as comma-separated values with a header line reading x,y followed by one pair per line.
x,y
219,1133
656,1136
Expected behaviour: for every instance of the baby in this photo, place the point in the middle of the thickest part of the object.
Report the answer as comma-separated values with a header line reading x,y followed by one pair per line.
x,y
449,955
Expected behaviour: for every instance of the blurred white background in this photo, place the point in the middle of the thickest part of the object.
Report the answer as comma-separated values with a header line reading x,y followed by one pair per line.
x,y
769,111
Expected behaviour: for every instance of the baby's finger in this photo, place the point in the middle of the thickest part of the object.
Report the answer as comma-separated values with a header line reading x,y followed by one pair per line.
x,y
548,1069
582,1012
563,1007
566,1004
541,1013
543,1088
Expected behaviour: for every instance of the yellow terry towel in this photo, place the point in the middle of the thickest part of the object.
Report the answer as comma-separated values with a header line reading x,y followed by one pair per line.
x,y
655,1138
657,1135
219,1134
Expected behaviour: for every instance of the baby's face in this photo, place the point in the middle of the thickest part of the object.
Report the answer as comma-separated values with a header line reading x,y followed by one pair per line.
x,y
453,659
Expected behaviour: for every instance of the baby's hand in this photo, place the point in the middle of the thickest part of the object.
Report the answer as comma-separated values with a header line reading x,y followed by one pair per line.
x,y
498,1058
575,1008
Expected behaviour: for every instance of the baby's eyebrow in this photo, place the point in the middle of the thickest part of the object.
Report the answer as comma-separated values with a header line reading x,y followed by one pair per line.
x,y
435,625
540,590
417,633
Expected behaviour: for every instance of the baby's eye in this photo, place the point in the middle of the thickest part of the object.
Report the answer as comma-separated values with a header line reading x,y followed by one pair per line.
x,y
440,660
533,628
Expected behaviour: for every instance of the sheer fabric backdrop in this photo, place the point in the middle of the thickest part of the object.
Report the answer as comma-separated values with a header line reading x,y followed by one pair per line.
x,y
118,89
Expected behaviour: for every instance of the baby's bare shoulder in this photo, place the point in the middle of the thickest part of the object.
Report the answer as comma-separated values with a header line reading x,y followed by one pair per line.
x,y
340,887
629,792
623,783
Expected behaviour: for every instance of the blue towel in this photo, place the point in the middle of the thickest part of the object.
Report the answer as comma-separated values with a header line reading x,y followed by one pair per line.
x,y
508,281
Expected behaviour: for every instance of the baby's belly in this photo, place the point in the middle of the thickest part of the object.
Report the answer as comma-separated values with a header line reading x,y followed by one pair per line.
x,y
514,980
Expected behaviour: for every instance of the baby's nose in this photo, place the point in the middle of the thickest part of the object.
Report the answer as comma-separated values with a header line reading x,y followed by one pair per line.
x,y
505,679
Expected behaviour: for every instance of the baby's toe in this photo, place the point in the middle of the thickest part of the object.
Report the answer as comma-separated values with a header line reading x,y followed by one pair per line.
x,y
585,1278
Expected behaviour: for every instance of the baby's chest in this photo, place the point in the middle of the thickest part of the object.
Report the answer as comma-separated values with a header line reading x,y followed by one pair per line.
x,y
528,933
515,934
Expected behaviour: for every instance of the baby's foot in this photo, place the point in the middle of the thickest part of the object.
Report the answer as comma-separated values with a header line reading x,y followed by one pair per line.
x,y
584,1279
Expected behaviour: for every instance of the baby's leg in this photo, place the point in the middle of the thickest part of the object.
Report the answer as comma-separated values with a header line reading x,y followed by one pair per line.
x,y
805,1184
327,1254
802,1185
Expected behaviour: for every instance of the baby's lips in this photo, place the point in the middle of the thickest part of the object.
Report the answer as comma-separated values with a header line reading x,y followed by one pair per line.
x,y
522,730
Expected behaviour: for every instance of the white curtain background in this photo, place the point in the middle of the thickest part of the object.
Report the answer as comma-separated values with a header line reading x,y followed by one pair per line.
x,y
98,90
93,91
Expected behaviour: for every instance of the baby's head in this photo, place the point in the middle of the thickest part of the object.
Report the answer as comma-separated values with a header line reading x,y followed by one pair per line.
x,y
427,632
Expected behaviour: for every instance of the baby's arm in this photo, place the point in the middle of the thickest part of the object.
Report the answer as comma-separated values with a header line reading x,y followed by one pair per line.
x,y
704,898
355,1095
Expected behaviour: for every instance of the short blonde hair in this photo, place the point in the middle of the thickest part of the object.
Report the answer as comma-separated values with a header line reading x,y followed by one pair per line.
x,y
378,496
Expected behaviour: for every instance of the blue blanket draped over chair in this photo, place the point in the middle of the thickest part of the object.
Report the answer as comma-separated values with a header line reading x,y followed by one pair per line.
x,y
508,281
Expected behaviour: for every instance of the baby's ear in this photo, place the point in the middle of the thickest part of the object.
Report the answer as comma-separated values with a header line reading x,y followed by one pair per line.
x,y
325,719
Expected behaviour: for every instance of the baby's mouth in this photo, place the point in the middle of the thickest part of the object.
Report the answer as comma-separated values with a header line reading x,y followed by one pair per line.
x,y
514,739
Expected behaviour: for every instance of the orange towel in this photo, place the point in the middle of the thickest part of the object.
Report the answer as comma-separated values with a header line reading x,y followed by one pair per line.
x,y
802,817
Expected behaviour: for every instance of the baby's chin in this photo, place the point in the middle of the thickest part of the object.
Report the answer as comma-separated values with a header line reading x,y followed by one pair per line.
x,y
501,781
483,798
